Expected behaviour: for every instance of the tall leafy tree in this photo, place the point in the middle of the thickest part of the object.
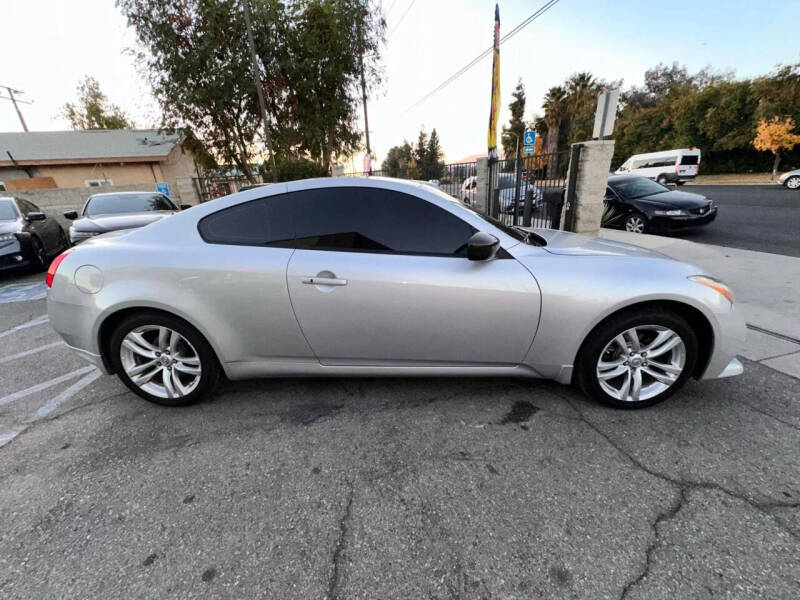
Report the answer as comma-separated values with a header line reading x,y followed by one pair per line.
x,y
582,89
433,157
196,57
92,109
555,108
775,136
397,160
512,134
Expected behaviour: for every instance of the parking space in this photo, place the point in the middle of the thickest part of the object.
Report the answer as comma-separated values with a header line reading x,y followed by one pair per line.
x,y
397,488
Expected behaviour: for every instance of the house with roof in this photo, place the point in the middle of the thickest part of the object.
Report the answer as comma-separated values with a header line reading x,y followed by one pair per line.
x,y
93,158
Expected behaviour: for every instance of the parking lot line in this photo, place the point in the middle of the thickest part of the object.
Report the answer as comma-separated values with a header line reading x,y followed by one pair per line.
x,y
32,323
29,352
44,385
68,393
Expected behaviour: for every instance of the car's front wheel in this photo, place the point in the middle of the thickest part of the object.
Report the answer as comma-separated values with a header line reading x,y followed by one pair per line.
x,y
163,359
638,358
636,223
793,182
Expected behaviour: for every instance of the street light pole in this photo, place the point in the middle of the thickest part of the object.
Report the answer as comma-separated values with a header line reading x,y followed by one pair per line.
x,y
257,83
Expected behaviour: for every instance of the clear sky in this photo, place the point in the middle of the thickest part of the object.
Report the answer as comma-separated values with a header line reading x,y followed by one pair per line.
x,y
48,46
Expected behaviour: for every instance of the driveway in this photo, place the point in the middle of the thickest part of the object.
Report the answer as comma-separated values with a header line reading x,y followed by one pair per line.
x,y
393,488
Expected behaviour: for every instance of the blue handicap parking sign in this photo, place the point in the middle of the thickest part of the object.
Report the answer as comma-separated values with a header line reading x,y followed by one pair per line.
x,y
163,188
530,138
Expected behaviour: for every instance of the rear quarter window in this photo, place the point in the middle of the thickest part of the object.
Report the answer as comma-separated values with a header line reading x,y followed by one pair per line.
x,y
263,222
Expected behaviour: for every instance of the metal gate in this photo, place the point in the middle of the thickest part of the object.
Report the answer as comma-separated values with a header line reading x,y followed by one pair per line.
x,y
529,191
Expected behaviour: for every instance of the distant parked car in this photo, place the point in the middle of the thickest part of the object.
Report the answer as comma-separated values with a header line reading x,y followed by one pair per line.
x,y
507,183
670,166
640,205
28,237
118,210
790,179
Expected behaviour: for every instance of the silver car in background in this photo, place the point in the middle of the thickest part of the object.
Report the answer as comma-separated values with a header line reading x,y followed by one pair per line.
x,y
790,179
379,277
118,210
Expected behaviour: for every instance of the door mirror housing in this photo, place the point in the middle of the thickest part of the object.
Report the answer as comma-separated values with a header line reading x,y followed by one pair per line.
x,y
71,215
35,216
482,246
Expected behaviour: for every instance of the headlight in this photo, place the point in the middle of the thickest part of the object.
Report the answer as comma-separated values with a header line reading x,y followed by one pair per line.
x,y
79,236
714,284
670,213
7,237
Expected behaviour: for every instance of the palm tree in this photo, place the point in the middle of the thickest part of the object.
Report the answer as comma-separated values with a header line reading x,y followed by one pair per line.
x,y
582,89
555,108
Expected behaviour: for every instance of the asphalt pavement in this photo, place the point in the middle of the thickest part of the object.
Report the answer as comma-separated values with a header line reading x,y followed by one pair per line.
x,y
387,488
765,218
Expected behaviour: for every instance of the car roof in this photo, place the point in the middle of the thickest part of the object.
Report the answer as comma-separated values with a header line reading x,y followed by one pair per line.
x,y
668,152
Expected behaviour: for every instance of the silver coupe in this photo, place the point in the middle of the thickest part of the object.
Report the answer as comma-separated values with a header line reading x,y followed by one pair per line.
x,y
383,277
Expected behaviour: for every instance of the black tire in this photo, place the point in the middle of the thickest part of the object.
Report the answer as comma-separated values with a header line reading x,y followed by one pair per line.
x,y
792,183
679,182
596,342
63,241
210,369
645,224
39,260
662,179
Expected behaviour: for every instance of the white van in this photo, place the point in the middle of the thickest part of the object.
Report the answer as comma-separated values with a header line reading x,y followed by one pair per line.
x,y
676,166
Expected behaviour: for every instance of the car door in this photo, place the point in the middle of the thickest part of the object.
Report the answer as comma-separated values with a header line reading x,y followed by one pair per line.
x,y
614,209
37,228
381,277
49,230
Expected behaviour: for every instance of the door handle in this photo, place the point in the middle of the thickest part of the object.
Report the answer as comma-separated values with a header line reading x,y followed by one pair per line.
x,y
324,281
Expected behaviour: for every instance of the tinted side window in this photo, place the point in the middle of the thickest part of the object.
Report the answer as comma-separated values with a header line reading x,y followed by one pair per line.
x,y
262,222
376,220
24,207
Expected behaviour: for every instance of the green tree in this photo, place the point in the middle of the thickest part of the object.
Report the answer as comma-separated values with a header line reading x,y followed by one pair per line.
x,y
196,57
511,136
397,160
433,158
582,89
555,109
92,110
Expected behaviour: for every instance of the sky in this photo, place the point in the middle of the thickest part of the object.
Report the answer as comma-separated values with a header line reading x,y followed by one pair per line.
x,y
49,45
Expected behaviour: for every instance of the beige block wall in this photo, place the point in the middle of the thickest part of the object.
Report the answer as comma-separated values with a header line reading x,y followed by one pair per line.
x,y
72,176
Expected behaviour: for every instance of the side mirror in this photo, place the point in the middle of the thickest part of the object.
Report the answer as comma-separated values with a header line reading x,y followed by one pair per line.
x,y
71,215
185,206
35,216
482,246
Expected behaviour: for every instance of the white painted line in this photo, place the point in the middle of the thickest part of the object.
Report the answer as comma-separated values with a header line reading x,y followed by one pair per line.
x,y
43,386
8,436
33,323
68,393
29,352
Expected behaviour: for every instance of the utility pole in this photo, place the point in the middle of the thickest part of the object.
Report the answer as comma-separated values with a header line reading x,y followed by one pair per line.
x,y
14,101
257,83
364,93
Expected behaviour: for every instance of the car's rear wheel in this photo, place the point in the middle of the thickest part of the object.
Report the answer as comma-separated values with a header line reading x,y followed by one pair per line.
x,y
662,179
636,223
793,182
638,358
163,359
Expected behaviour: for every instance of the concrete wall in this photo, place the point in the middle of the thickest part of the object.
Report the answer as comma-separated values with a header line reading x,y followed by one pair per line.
x,y
590,185
482,189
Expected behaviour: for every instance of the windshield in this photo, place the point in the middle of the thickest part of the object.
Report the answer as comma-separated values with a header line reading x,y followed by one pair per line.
x,y
7,211
637,188
127,203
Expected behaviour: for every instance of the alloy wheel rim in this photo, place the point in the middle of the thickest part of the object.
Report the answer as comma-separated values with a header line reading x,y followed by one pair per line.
x,y
634,224
160,361
793,183
641,362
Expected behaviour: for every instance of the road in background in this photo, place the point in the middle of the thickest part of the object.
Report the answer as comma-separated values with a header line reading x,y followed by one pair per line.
x,y
765,218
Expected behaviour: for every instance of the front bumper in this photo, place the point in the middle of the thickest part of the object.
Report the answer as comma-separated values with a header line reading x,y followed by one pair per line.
x,y
675,223
14,255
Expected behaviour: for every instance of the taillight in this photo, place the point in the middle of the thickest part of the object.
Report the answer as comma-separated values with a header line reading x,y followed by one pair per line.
x,y
677,168
51,271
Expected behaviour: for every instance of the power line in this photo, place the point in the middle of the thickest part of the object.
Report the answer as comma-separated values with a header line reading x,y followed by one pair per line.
x,y
544,8
391,6
16,101
403,16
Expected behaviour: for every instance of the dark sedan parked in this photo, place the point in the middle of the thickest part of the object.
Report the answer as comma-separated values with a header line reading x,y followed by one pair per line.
x,y
640,205
118,210
28,237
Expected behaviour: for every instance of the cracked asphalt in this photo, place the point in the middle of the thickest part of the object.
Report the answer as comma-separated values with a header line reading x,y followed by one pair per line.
x,y
396,488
